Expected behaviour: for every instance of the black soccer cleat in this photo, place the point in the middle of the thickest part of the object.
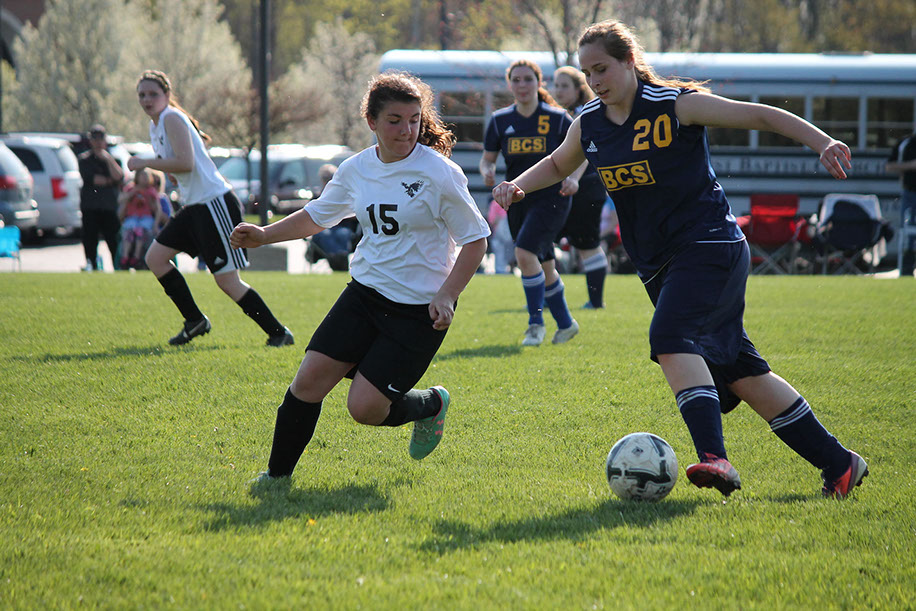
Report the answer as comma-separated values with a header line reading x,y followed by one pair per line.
x,y
190,330
281,340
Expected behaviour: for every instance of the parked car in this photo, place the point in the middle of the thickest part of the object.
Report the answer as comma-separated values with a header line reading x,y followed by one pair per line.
x,y
293,173
57,180
16,204
79,142
221,155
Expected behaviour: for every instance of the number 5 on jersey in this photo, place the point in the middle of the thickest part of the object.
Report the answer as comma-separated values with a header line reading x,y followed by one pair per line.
x,y
389,223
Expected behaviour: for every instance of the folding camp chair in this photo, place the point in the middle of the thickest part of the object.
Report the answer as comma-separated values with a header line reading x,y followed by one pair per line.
x,y
849,228
10,242
772,232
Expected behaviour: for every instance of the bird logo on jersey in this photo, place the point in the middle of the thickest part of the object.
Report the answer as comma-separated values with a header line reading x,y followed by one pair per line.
x,y
413,188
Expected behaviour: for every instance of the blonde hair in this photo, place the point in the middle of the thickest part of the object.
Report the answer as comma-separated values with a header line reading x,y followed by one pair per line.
x,y
162,80
620,43
543,94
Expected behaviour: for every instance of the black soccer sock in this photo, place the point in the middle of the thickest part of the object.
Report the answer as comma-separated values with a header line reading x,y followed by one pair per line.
x,y
296,420
701,411
177,290
800,429
252,304
414,405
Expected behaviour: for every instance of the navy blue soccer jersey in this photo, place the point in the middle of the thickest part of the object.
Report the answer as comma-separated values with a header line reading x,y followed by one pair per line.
x,y
659,175
523,141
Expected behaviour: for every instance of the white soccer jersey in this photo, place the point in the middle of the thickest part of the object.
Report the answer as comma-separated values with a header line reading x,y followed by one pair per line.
x,y
203,182
414,214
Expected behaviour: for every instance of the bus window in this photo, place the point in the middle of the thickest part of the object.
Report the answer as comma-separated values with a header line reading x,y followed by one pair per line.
x,y
889,120
793,105
464,111
839,117
726,136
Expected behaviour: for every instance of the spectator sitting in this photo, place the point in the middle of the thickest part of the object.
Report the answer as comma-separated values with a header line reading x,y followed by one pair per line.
x,y
336,243
140,212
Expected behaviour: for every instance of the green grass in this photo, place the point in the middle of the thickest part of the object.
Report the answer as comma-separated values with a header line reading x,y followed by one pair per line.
x,y
123,461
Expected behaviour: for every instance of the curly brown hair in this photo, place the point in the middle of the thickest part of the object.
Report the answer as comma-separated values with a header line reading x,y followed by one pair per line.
x,y
397,86
620,43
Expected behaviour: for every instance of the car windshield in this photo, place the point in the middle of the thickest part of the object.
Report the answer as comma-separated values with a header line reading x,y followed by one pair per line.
x,y
238,168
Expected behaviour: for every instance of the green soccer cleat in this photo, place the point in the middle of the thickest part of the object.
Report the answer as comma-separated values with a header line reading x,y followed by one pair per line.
x,y
427,433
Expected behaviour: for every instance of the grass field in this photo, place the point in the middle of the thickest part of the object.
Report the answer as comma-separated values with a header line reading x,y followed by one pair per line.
x,y
124,462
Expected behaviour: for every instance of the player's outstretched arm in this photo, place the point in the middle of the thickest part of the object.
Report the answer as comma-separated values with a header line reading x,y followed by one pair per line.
x,y
297,225
563,161
716,111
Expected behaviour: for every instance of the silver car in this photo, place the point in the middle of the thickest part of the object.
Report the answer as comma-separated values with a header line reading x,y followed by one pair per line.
x,y
16,204
55,170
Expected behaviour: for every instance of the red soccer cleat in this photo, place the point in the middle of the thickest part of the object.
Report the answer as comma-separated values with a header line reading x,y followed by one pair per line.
x,y
714,472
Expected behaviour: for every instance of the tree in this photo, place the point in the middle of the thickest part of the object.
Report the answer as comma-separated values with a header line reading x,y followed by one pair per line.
x,y
560,22
73,67
335,70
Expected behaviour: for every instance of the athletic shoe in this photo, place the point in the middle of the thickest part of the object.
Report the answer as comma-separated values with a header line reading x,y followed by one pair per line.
x,y
714,472
534,335
190,330
427,433
281,340
852,477
590,306
564,335
264,484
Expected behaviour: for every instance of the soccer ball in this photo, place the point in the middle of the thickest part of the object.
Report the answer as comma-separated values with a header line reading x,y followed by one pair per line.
x,y
641,467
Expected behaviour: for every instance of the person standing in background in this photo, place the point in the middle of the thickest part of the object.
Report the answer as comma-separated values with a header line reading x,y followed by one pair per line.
x,y
903,161
583,225
102,178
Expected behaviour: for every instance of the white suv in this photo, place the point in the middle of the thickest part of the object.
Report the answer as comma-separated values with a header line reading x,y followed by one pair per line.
x,y
56,173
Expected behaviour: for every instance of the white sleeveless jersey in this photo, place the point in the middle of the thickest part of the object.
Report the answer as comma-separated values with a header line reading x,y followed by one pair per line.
x,y
203,182
414,214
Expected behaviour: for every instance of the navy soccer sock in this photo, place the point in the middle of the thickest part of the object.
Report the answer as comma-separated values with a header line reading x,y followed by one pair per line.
x,y
534,297
595,272
555,299
177,290
413,405
252,304
700,409
800,429
296,420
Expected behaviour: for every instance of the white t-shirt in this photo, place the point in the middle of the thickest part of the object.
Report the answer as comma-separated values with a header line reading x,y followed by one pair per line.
x,y
203,182
414,214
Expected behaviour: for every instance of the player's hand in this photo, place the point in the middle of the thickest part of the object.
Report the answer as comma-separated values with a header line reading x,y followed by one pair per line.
x,y
835,157
506,194
246,235
441,311
489,178
569,186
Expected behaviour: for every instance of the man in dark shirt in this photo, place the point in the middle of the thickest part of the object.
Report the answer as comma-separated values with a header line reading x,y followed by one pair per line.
x,y
102,178
903,161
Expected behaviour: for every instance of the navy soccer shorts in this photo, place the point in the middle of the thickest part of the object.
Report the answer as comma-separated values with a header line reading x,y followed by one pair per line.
x,y
583,225
392,344
535,222
699,309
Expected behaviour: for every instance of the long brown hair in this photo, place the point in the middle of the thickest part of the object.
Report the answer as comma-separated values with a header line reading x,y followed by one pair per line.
x,y
543,94
161,79
397,86
583,91
620,43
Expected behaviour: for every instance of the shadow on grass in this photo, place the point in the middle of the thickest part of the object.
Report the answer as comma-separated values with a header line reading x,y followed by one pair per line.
x,y
519,310
282,503
494,351
115,352
574,525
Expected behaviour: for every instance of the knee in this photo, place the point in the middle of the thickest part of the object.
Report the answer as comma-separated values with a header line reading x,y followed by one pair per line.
x,y
366,413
